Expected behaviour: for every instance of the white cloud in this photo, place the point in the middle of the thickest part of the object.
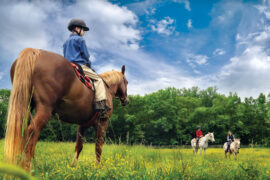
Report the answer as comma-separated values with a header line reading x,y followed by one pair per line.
x,y
92,56
29,24
164,26
196,71
246,74
22,26
152,73
189,24
112,25
151,11
1,75
186,2
113,33
247,71
194,60
219,52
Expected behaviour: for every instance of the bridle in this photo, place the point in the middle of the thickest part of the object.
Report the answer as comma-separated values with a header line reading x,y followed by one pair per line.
x,y
123,97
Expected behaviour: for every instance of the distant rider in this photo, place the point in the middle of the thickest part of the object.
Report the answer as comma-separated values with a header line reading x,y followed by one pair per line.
x,y
230,139
199,134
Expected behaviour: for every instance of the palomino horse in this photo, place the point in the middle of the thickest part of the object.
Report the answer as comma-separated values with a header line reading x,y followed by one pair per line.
x,y
45,82
203,143
234,148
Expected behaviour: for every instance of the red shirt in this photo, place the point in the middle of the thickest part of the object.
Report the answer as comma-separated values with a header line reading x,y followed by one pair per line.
x,y
199,133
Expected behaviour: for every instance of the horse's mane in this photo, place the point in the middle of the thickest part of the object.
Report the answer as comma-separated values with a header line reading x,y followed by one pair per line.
x,y
208,134
112,77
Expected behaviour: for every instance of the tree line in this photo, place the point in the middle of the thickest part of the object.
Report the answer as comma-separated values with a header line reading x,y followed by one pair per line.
x,y
170,117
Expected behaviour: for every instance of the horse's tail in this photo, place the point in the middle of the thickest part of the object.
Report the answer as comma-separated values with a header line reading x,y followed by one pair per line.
x,y
19,104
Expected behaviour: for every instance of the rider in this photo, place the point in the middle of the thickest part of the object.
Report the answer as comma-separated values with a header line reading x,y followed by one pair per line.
x,y
230,139
75,50
199,134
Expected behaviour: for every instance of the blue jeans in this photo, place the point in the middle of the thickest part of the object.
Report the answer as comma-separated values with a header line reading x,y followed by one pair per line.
x,y
229,144
197,140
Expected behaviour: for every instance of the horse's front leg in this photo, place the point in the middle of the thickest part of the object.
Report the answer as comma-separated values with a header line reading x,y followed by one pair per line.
x,y
234,154
101,128
195,150
79,144
204,151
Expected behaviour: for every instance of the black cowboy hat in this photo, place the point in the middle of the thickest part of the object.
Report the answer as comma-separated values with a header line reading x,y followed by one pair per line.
x,y
76,22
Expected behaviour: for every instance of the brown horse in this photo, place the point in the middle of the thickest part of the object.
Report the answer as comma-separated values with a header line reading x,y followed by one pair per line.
x,y
45,82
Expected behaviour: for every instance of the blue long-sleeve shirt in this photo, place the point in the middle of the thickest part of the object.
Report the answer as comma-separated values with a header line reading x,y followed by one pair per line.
x,y
75,50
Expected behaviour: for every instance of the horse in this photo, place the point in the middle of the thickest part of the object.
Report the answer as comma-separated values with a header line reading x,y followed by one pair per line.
x,y
45,84
203,143
234,148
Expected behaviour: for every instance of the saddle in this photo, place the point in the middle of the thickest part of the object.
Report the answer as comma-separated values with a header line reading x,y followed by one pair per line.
x,y
83,78
88,83
195,141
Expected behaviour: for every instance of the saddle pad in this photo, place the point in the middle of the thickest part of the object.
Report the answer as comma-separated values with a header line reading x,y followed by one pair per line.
x,y
80,74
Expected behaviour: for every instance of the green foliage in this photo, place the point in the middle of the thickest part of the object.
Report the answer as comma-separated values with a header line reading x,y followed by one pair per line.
x,y
4,97
8,170
170,117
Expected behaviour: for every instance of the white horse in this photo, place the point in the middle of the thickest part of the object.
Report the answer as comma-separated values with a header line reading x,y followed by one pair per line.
x,y
203,143
234,148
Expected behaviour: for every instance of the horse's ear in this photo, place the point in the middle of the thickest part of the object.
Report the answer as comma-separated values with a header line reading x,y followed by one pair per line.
x,y
123,69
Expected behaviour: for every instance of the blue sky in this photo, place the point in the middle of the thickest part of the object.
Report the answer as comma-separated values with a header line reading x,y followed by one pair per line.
x,y
179,43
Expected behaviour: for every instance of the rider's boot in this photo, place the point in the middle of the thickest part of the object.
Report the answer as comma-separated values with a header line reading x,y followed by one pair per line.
x,y
103,108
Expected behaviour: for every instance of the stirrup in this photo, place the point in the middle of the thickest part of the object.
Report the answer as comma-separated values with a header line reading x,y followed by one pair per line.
x,y
103,115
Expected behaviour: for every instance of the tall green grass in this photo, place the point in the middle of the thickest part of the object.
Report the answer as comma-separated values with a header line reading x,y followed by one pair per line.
x,y
140,162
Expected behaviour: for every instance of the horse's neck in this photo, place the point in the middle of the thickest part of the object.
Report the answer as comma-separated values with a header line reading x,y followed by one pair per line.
x,y
112,79
112,89
205,139
234,145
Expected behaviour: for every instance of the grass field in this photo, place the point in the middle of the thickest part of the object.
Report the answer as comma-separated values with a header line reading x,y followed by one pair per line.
x,y
139,162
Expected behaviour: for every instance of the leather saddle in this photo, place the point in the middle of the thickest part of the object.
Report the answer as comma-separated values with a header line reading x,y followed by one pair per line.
x,y
83,78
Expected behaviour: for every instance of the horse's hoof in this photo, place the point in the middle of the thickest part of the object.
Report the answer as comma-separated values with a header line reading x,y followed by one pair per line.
x,y
97,162
74,163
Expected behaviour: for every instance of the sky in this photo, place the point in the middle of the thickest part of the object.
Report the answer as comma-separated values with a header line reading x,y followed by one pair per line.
x,y
176,43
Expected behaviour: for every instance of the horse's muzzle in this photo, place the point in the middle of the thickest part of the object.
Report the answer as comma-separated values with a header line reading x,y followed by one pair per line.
x,y
125,102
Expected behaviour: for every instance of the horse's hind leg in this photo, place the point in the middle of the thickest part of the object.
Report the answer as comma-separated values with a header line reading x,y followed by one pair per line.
x,y
101,128
79,144
39,121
